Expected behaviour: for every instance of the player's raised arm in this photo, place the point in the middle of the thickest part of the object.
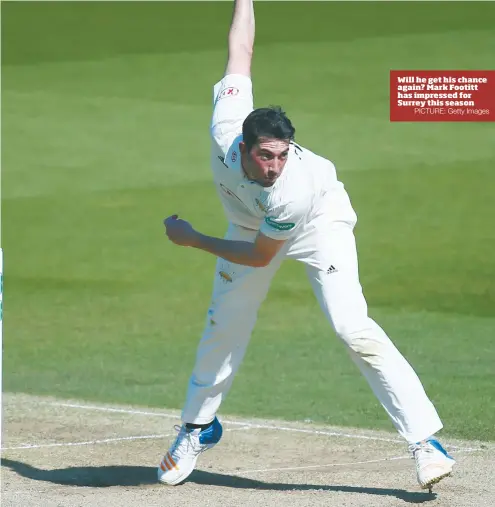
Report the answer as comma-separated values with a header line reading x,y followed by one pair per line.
x,y
241,39
233,95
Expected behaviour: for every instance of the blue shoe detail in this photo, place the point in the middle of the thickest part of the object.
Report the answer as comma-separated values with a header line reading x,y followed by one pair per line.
x,y
438,446
211,435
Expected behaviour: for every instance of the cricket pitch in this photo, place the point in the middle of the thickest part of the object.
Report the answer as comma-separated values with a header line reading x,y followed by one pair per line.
x,y
76,454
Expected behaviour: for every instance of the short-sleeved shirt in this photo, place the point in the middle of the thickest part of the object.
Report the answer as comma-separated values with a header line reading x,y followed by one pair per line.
x,y
279,211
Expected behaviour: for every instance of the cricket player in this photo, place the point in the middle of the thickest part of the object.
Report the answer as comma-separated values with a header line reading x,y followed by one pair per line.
x,y
283,202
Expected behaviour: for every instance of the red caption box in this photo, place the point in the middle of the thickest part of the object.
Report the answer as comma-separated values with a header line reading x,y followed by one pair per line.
x,y
442,95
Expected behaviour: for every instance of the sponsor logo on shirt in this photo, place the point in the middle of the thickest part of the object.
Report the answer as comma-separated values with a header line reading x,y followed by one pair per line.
x,y
260,205
225,276
231,91
234,156
280,226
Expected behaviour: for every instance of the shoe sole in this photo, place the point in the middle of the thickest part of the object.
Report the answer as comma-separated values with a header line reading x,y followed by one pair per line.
x,y
436,480
179,480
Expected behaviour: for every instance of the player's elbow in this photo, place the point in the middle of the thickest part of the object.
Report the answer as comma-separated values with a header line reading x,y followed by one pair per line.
x,y
241,50
261,261
241,36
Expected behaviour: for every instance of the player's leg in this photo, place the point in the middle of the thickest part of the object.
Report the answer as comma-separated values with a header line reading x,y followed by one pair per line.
x,y
339,292
332,266
238,292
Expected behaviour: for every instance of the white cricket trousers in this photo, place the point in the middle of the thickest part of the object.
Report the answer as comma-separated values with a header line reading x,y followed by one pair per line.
x,y
238,293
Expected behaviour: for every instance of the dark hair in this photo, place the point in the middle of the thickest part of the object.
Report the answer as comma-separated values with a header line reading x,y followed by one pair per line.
x,y
269,122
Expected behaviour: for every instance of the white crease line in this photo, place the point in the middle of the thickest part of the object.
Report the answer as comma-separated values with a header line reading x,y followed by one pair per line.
x,y
248,425
92,442
327,433
352,463
227,421
105,441
115,410
319,466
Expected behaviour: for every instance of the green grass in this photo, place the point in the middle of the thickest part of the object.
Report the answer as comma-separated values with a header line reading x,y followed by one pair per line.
x,y
105,133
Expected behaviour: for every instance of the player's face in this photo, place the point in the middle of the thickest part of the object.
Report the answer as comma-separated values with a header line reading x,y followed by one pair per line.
x,y
266,160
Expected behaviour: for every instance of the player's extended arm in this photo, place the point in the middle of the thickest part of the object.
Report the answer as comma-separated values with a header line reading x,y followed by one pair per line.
x,y
241,38
257,254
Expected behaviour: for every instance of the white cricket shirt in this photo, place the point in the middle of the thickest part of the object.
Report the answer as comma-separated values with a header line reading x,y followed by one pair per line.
x,y
298,195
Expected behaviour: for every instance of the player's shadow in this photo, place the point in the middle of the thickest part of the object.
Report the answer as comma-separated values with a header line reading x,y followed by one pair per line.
x,y
107,476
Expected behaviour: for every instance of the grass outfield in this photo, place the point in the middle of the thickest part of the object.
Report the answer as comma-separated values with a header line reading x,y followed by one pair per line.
x,y
105,114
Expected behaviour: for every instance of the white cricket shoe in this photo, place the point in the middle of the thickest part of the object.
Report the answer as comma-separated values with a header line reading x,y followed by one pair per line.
x,y
433,463
180,460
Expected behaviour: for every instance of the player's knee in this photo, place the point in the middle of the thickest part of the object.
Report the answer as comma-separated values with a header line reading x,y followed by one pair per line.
x,y
349,329
211,375
368,342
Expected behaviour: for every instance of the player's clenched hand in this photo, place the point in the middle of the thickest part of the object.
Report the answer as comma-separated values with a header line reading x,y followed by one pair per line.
x,y
180,232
